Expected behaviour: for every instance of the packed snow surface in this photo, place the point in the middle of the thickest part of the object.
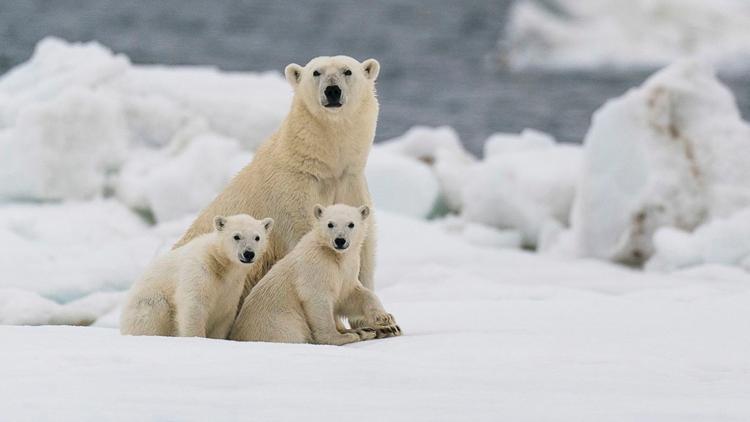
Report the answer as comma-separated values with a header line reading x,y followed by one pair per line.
x,y
489,334
584,34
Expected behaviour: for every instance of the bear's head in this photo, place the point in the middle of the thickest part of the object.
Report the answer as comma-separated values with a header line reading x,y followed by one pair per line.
x,y
341,226
334,86
242,238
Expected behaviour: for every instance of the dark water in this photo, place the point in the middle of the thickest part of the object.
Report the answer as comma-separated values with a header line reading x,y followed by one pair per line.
x,y
438,65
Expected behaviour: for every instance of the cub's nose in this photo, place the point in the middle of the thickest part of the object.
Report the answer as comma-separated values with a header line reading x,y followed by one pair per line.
x,y
333,94
340,242
248,256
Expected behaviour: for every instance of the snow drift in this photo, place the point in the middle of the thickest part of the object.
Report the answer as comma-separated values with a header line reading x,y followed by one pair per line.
x,y
522,184
575,34
723,241
672,153
96,109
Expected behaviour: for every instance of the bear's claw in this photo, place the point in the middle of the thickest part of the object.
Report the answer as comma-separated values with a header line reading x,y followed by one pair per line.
x,y
366,333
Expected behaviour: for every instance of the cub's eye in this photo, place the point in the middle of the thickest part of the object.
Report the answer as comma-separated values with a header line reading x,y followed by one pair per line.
x,y
236,237
330,225
257,238
348,72
351,225
316,73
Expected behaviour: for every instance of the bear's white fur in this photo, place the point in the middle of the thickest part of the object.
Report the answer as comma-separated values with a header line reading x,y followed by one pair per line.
x,y
307,293
195,290
317,156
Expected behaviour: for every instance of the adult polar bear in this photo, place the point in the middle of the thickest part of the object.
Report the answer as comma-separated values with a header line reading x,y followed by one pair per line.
x,y
317,156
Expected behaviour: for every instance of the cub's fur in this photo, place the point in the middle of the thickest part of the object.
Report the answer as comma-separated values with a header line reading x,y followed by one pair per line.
x,y
195,290
307,293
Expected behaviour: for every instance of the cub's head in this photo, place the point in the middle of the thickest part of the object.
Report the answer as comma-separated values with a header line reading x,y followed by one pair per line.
x,y
333,86
243,238
342,227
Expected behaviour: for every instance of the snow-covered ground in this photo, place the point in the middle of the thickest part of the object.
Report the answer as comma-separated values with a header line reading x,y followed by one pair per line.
x,y
489,335
104,163
585,34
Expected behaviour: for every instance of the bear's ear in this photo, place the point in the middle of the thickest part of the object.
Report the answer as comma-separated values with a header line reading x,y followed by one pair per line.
x,y
220,222
364,211
371,68
293,73
318,211
267,224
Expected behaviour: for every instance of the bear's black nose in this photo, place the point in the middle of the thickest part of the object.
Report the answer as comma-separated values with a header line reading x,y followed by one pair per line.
x,y
248,255
333,94
340,242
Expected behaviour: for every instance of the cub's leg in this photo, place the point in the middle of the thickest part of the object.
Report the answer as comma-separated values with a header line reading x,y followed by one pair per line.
x,y
365,333
363,309
191,320
192,312
319,313
222,327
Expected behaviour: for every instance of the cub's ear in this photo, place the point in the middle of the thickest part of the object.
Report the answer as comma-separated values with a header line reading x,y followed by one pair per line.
x,y
220,222
293,73
371,68
318,211
364,211
267,224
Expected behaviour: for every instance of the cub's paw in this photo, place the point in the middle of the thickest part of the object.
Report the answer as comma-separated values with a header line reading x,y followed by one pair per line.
x,y
366,333
389,331
385,325
383,319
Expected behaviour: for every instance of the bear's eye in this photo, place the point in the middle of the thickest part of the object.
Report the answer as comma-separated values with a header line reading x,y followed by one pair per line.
x,y
351,225
236,237
348,72
316,73
330,225
257,238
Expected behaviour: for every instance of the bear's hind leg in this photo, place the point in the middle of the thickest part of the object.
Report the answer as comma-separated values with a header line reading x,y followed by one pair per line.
x,y
152,316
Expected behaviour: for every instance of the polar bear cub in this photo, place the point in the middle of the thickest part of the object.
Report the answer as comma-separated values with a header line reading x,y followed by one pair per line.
x,y
194,290
304,297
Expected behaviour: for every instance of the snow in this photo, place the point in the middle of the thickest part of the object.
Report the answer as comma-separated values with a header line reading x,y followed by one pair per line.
x,y
489,334
440,148
724,241
528,139
587,34
104,164
400,184
524,182
180,179
671,153
69,250
103,113
23,307
424,142
522,188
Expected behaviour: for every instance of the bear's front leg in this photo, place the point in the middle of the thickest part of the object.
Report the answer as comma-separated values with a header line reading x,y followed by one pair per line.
x,y
191,321
354,191
367,257
222,328
363,309
191,313
364,333
320,318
